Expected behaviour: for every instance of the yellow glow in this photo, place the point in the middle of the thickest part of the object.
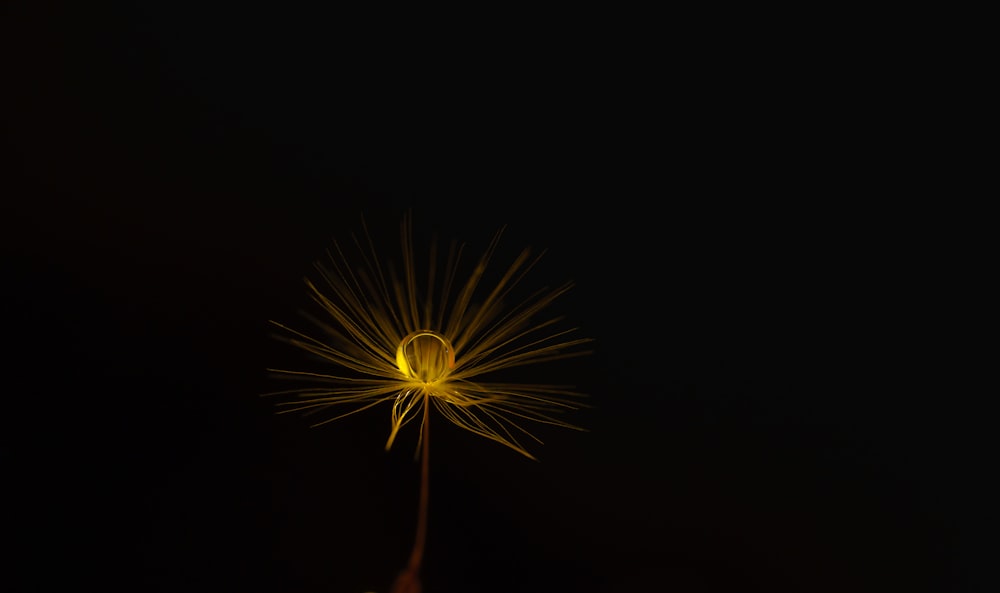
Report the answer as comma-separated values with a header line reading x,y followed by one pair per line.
x,y
426,356
431,339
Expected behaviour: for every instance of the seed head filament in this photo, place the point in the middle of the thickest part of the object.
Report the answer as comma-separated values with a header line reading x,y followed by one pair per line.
x,y
425,358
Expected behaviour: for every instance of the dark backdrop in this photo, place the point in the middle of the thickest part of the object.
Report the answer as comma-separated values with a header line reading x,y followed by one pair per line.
x,y
173,171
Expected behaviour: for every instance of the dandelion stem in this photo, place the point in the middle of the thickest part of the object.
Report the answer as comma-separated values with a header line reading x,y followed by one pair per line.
x,y
408,581
418,545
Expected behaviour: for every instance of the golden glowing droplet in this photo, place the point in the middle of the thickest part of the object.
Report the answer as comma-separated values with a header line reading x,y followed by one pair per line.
x,y
426,356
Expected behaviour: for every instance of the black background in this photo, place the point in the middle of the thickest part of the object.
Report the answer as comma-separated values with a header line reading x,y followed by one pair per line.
x,y
173,171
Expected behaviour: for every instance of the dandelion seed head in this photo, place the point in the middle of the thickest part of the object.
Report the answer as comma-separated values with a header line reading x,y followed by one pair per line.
x,y
431,338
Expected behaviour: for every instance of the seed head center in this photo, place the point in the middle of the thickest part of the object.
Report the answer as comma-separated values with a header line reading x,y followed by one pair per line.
x,y
425,356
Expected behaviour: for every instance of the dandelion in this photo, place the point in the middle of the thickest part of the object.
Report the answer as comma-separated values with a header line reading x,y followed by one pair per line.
x,y
392,339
